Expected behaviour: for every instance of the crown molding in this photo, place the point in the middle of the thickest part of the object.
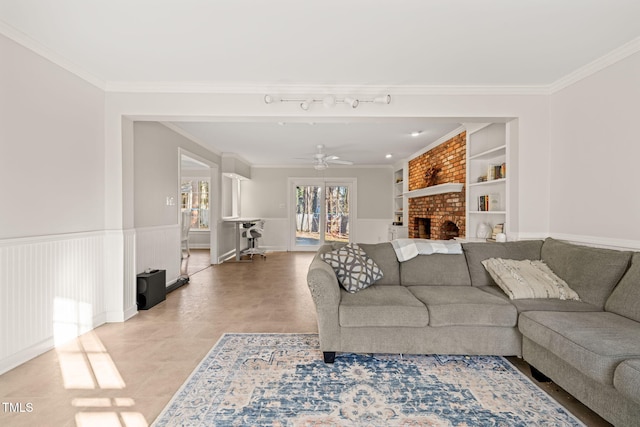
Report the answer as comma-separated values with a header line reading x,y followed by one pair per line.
x,y
190,137
441,140
57,59
599,64
236,156
320,89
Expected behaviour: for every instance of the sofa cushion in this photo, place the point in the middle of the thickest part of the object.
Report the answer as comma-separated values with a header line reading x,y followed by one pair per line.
x,y
384,255
591,272
382,306
625,298
521,279
593,343
435,269
476,252
464,306
354,269
627,379
542,304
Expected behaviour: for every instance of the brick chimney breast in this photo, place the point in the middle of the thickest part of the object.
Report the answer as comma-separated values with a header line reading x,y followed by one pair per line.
x,y
443,210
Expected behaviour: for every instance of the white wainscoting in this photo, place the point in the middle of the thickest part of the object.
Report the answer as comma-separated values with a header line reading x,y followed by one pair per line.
x,y
159,248
599,242
277,232
130,284
52,289
372,230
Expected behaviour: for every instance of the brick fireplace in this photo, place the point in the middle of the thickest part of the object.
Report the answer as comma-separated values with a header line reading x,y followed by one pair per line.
x,y
444,213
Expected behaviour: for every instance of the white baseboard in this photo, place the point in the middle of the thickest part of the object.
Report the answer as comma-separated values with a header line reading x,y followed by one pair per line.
x,y
26,354
227,255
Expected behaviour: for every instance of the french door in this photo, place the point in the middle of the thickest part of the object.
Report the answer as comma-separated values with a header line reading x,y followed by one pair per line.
x,y
322,213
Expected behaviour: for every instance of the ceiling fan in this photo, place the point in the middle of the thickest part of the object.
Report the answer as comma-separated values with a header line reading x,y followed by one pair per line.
x,y
321,160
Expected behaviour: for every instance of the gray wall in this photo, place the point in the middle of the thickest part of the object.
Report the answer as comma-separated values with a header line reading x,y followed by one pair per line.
x,y
156,161
265,195
52,147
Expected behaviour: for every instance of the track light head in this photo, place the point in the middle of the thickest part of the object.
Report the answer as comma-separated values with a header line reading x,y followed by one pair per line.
x,y
386,99
306,104
352,102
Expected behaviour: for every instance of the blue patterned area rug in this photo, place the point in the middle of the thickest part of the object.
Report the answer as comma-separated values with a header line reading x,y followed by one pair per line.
x,y
281,380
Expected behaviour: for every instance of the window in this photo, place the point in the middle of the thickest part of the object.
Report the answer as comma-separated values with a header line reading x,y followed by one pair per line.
x,y
195,197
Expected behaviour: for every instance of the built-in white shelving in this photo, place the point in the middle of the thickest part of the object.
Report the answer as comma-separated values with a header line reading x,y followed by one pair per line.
x,y
399,227
488,172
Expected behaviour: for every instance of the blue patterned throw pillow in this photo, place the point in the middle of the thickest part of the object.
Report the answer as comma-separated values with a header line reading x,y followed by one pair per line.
x,y
354,269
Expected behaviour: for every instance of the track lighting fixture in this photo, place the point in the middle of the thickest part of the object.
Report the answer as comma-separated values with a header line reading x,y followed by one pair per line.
x,y
353,103
386,99
328,101
306,104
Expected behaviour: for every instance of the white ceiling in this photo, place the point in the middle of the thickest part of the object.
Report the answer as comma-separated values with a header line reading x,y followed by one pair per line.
x,y
294,141
328,43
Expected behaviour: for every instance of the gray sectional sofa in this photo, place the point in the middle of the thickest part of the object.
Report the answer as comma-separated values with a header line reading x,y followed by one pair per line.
x,y
449,304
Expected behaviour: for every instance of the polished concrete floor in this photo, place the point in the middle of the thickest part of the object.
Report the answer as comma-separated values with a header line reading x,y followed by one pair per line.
x,y
123,374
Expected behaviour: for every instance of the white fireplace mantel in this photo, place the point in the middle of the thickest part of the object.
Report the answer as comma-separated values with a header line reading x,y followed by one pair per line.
x,y
450,187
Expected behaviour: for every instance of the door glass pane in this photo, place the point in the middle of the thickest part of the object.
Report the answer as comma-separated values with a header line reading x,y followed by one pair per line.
x,y
308,199
337,211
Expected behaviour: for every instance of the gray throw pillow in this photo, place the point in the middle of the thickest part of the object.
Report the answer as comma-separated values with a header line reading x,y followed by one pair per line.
x,y
528,279
354,269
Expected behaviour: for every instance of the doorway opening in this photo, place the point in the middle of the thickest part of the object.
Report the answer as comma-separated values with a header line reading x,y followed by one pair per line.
x,y
196,217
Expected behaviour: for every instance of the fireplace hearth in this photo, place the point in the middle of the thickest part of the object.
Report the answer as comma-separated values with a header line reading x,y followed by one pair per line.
x,y
449,230
422,228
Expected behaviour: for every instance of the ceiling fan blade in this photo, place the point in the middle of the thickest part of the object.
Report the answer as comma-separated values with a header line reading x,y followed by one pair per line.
x,y
330,158
340,162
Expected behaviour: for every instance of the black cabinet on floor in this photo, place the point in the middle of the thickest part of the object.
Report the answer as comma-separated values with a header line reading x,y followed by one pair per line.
x,y
152,288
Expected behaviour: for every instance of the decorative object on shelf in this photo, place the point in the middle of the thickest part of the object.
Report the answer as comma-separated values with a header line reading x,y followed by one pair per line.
x,y
495,172
501,237
329,101
431,176
483,231
498,229
489,202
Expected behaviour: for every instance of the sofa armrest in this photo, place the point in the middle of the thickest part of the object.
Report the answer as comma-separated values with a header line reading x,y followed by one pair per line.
x,y
326,294
323,283
626,379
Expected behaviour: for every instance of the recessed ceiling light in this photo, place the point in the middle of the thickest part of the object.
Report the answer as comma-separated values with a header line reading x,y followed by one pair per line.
x,y
416,133
388,156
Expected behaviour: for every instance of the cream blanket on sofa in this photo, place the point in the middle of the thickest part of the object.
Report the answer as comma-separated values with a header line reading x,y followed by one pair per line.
x,y
407,249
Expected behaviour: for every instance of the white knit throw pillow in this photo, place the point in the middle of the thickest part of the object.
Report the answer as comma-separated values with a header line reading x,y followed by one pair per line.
x,y
528,279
